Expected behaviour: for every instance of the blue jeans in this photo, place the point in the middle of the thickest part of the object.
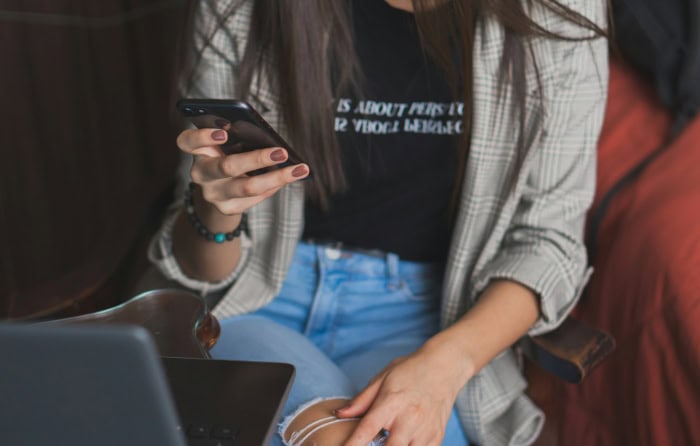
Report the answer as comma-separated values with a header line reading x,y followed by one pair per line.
x,y
340,318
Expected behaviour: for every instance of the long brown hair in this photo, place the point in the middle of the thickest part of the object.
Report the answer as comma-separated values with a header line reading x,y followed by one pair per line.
x,y
307,49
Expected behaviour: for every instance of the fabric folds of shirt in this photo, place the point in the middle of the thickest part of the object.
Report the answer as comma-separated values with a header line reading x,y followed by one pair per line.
x,y
531,233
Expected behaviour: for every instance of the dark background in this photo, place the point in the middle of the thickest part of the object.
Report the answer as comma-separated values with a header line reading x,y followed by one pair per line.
x,y
87,139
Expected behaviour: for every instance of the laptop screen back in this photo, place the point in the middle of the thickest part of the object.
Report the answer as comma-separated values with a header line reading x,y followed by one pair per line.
x,y
83,385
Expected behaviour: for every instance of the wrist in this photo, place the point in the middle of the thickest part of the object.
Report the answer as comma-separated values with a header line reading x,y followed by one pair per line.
x,y
210,216
205,228
451,354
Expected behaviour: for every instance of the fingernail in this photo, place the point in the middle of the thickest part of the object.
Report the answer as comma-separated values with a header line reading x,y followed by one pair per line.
x,y
342,409
299,171
278,155
218,135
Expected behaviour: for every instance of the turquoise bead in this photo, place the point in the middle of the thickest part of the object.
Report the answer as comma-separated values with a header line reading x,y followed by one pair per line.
x,y
220,237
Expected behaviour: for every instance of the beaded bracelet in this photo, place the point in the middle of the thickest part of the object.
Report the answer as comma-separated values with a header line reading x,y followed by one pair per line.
x,y
218,237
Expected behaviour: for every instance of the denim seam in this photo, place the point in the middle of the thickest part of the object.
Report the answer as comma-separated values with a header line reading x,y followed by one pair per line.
x,y
320,282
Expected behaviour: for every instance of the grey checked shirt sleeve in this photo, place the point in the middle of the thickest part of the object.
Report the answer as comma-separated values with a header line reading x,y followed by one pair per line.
x,y
213,52
543,247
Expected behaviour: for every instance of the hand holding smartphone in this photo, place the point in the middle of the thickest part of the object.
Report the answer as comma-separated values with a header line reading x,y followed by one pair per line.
x,y
246,129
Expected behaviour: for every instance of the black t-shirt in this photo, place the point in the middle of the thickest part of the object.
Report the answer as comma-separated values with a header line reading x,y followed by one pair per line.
x,y
398,145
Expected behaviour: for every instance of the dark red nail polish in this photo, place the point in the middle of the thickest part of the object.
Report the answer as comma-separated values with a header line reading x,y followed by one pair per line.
x,y
299,171
278,155
218,135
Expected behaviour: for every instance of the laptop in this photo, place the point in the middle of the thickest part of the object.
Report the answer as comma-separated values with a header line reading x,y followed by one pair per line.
x,y
106,385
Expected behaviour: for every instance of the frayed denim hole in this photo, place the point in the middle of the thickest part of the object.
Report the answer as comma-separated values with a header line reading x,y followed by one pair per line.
x,y
284,424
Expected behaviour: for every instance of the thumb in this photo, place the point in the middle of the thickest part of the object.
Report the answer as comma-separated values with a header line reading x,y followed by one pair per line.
x,y
362,402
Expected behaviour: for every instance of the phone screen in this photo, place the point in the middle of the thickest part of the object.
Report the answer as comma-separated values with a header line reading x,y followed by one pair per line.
x,y
246,129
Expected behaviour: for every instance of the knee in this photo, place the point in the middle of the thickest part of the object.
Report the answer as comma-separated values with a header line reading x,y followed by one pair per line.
x,y
250,327
245,333
316,424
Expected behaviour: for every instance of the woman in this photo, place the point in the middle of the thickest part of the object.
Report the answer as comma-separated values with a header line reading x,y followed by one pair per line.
x,y
452,150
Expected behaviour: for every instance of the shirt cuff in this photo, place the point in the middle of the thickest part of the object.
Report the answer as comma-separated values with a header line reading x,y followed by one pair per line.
x,y
557,293
160,253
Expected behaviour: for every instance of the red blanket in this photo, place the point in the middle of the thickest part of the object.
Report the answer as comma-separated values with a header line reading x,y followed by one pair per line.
x,y
646,288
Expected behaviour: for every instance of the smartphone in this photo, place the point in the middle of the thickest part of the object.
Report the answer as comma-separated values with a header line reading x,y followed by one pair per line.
x,y
246,129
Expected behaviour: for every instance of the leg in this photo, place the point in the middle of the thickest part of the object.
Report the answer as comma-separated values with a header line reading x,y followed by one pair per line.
x,y
361,368
315,424
257,339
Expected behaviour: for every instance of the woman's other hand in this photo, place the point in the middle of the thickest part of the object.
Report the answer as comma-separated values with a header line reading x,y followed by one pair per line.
x,y
412,398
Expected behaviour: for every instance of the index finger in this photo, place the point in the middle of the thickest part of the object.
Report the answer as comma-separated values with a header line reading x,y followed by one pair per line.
x,y
370,426
191,140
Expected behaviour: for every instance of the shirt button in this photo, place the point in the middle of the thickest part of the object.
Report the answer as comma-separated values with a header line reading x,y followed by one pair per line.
x,y
332,253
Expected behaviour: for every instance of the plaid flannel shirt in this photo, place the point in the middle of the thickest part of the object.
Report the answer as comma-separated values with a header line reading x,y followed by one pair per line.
x,y
530,233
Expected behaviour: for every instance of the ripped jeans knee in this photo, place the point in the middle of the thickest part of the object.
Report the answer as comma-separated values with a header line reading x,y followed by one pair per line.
x,y
314,423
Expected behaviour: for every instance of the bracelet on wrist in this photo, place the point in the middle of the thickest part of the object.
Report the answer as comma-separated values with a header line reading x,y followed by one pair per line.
x,y
217,237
